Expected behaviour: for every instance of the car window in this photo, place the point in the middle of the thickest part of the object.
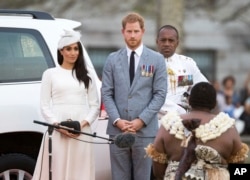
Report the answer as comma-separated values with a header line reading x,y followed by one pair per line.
x,y
24,55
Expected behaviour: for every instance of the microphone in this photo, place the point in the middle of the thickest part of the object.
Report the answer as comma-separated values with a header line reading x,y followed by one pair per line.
x,y
124,140
120,140
71,130
45,124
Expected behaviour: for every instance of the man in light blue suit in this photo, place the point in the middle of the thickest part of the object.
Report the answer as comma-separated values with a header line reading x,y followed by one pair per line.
x,y
132,98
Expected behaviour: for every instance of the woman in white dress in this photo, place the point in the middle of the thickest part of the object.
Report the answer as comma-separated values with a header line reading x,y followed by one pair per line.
x,y
68,91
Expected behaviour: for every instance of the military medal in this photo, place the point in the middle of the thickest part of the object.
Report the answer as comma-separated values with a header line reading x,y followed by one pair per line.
x,y
185,80
143,70
147,70
151,70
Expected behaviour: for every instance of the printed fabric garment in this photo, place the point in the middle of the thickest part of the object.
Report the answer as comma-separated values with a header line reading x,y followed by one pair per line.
x,y
209,162
62,98
207,167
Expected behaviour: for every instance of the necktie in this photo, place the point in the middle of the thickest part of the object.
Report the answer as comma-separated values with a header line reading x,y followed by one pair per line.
x,y
132,67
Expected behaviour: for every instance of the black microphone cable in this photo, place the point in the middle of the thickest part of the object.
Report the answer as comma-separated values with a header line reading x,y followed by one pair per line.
x,y
91,142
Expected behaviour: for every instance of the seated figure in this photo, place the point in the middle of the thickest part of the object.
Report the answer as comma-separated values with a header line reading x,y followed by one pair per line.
x,y
198,144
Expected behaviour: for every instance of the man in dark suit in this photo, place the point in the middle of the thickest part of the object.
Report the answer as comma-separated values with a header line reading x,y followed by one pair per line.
x,y
133,95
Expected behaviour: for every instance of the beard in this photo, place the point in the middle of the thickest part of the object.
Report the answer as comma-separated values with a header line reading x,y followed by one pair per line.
x,y
133,44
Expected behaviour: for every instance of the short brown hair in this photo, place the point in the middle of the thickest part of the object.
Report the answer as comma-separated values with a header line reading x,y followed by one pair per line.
x,y
132,18
228,78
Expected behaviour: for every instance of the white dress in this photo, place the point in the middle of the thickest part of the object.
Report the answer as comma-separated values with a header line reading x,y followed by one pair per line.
x,y
62,98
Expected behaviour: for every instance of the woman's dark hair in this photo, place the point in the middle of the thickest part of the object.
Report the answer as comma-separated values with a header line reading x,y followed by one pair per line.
x,y
79,67
202,96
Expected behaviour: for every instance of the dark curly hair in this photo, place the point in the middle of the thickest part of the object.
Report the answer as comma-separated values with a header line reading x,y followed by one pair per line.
x,y
202,96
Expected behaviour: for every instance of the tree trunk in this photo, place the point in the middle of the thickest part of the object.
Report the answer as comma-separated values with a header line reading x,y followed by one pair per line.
x,y
171,12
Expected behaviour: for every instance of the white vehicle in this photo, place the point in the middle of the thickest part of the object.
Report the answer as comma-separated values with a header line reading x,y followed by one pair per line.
x,y
28,46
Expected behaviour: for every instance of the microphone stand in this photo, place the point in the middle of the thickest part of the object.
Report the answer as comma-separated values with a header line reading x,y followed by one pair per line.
x,y
71,130
50,131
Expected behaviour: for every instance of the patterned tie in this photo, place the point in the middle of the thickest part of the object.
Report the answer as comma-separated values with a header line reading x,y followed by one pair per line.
x,y
132,67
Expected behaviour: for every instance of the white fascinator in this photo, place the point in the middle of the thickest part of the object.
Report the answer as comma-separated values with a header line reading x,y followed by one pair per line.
x,y
68,37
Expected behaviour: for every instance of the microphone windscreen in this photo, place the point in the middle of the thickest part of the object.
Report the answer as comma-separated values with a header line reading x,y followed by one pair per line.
x,y
124,140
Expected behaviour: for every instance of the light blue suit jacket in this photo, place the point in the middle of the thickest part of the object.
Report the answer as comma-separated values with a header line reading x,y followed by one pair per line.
x,y
143,98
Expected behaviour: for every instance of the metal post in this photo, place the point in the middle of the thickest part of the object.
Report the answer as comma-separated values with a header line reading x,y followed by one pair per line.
x,y
50,130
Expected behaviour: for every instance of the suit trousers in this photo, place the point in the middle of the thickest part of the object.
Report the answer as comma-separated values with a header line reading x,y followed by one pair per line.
x,y
131,163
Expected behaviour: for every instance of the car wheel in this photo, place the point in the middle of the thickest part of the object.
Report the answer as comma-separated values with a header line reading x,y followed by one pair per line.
x,y
16,167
